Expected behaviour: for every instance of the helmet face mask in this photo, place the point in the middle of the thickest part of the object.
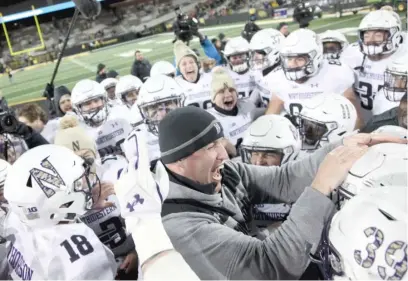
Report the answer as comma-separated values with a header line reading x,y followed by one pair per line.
x,y
298,66
265,156
93,116
130,97
332,50
395,85
313,132
239,62
155,111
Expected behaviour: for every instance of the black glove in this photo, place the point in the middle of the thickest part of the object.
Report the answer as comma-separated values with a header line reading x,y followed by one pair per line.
x,y
49,91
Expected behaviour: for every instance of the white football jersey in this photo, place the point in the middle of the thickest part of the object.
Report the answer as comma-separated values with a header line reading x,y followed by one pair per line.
x,y
263,88
110,167
111,133
369,76
131,145
60,252
246,85
235,126
110,228
333,77
197,94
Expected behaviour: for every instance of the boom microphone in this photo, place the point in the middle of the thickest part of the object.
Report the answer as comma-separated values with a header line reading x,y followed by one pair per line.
x,y
88,8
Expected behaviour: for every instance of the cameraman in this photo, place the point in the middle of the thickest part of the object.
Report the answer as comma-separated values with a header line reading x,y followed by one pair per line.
x,y
185,28
10,125
303,14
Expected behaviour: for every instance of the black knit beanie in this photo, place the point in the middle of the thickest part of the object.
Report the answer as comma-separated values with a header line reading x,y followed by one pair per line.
x,y
185,130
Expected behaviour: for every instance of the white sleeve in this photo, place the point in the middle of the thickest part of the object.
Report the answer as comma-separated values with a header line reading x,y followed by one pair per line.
x,y
156,252
169,266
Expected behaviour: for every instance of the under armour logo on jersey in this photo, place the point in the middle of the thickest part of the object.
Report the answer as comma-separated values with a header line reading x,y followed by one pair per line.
x,y
138,199
314,85
217,126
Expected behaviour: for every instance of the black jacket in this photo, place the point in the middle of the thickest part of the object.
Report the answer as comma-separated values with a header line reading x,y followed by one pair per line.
x,y
100,77
141,69
389,117
58,93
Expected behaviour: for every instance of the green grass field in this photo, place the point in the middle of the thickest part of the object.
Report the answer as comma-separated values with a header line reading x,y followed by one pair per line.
x,y
29,84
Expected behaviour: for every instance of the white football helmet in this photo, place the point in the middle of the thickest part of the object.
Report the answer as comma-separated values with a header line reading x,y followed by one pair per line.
x,y
395,131
325,118
333,36
158,96
236,53
163,67
367,238
128,85
265,46
271,134
384,164
109,84
395,79
305,44
86,91
49,184
380,20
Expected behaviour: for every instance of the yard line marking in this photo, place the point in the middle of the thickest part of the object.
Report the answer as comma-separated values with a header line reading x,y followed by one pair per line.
x,y
83,65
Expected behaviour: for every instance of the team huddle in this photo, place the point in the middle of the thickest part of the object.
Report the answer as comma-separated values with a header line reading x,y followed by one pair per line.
x,y
278,99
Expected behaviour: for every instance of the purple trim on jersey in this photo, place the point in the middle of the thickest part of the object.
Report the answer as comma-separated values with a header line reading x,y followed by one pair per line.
x,y
158,191
119,173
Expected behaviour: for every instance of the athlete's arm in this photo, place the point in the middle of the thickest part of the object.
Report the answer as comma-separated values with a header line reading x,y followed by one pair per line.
x,y
275,105
351,96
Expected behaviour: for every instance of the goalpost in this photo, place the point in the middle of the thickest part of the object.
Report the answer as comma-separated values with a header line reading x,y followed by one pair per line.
x,y
5,19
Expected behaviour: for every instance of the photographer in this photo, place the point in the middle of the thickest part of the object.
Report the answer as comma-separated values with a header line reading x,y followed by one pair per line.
x,y
185,28
10,125
303,14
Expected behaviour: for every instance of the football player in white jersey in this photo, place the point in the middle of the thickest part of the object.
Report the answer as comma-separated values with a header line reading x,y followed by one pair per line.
x,y
159,95
380,42
395,85
108,126
127,90
195,85
367,238
306,74
47,189
107,223
271,140
265,47
334,42
163,67
324,119
237,54
110,85
235,115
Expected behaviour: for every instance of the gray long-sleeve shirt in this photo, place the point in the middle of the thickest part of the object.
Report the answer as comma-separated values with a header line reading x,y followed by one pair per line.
x,y
215,250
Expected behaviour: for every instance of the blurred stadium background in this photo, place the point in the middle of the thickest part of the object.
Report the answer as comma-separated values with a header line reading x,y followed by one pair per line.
x,y
30,44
